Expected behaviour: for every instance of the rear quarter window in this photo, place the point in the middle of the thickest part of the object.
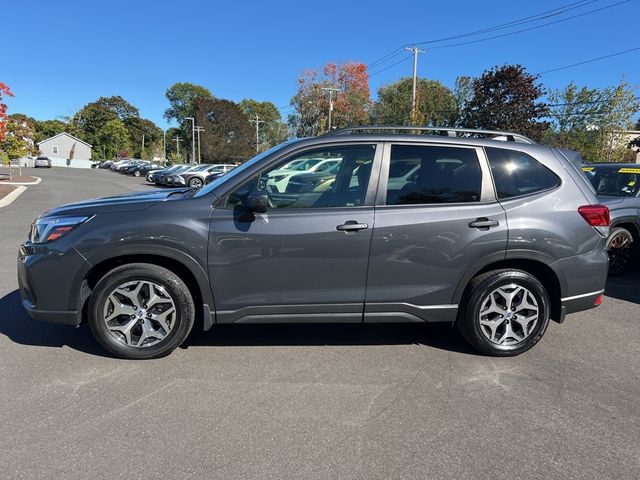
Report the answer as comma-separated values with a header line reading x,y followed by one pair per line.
x,y
517,174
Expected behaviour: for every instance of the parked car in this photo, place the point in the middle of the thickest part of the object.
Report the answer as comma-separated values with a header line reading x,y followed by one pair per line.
x,y
279,179
152,174
618,186
496,237
105,165
42,162
196,178
161,177
141,169
176,179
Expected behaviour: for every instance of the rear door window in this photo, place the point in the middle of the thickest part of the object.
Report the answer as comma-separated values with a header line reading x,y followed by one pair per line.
x,y
425,174
516,173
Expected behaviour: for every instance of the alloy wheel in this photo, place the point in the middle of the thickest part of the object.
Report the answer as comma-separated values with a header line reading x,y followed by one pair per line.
x,y
508,315
139,313
196,183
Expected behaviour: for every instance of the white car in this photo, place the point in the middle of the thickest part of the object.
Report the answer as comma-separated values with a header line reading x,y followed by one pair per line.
x,y
279,179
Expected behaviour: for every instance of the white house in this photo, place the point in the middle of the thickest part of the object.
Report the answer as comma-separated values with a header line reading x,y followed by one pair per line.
x,y
65,150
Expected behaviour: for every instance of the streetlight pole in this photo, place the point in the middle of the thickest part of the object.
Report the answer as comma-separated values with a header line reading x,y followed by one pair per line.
x,y
198,130
330,90
193,138
164,146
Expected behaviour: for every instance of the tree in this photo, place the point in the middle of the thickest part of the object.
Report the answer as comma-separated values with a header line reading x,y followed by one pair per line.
x,y
273,131
507,98
227,136
18,141
4,90
435,104
114,138
95,115
48,128
351,105
182,96
591,120
139,127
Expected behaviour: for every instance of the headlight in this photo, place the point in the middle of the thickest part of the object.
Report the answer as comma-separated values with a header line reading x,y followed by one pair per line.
x,y
48,229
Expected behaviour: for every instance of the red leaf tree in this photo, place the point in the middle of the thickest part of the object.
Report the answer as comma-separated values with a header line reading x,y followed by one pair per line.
x,y
4,90
351,103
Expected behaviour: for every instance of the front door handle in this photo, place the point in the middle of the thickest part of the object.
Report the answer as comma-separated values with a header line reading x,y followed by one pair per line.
x,y
352,226
484,223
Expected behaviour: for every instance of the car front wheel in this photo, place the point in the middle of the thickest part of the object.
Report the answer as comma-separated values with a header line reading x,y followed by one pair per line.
x,y
195,182
141,311
505,314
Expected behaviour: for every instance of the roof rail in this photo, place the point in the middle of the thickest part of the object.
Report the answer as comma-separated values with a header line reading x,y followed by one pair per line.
x,y
440,131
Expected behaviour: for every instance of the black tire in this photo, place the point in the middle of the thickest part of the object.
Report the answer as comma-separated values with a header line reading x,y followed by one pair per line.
x,y
196,182
620,258
480,287
173,285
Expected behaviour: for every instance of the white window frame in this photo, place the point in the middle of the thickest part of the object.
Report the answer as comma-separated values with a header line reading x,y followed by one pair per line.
x,y
54,149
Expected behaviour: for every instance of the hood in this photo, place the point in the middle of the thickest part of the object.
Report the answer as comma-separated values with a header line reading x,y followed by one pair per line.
x,y
127,202
610,200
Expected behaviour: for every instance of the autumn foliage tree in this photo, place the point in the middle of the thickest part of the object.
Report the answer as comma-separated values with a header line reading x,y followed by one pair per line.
x,y
4,90
507,98
351,103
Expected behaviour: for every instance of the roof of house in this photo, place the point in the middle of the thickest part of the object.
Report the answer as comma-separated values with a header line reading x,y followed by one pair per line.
x,y
68,135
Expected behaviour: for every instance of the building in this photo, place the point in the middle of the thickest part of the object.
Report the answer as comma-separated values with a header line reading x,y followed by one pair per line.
x,y
65,150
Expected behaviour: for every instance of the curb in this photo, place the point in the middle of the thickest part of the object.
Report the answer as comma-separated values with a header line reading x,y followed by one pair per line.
x,y
37,181
10,198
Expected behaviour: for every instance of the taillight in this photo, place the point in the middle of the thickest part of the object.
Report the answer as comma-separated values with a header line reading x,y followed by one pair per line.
x,y
595,215
598,300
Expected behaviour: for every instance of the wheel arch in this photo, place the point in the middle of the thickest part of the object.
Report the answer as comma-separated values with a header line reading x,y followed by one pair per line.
x,y
186,268
542,271
630,224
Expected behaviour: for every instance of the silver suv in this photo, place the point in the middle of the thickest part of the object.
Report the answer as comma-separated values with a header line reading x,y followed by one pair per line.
x,y
484,230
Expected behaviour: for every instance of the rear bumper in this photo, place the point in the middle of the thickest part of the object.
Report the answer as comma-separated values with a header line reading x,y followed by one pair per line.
x,y
578,303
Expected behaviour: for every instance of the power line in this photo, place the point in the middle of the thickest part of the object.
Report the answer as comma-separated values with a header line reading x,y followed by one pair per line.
x,y
532,18
459,44
589,61
408,57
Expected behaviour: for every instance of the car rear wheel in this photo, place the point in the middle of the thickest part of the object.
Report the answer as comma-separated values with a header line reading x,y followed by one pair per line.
x,y
505,312
195,182
620,248
141,311
136,173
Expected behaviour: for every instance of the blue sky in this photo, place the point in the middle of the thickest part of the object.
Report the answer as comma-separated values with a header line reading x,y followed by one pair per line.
x,y
59,55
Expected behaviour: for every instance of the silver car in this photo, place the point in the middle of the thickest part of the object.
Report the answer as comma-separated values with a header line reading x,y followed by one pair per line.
x,y
42,162
618,186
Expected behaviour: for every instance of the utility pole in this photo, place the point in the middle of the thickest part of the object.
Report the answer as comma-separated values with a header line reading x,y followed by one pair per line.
x,y
193,138
142,150
415,51
177,140
198,130
330,90
257,121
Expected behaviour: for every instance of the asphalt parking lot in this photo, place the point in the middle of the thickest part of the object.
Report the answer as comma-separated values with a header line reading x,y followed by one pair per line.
x,y
313,401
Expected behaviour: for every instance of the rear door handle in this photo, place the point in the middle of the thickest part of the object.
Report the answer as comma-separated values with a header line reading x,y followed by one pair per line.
x,y
484,223
352,226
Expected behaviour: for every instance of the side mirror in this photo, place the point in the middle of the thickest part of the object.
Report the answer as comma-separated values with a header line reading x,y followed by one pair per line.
x,y
256,201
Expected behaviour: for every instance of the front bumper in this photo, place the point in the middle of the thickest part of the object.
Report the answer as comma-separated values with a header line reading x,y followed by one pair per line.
x,y
50,282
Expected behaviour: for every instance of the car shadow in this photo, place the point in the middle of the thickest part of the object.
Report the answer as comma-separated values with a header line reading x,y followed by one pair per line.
x,y
440,336
20,328
625,287
16,325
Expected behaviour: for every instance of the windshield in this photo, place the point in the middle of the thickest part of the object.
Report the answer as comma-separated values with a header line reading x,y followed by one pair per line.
x,y
614,181
306,164
238,170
